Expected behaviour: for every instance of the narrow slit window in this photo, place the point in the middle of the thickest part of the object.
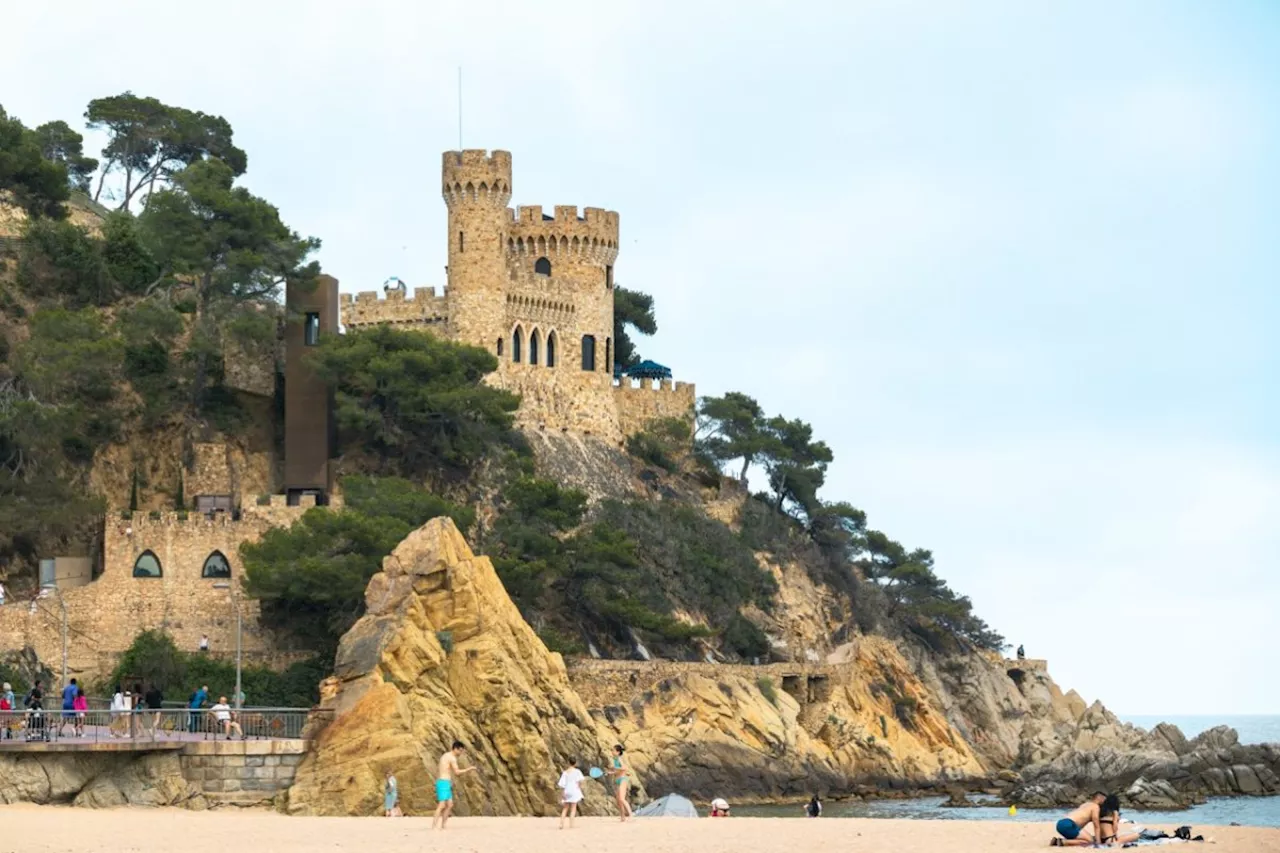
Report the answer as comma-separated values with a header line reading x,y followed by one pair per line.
x,y
462,242
499,346
588,352
533,347
311,330
551,349
516,340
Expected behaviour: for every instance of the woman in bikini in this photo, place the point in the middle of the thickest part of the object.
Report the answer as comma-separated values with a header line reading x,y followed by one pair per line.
x,y
1109,822
621,781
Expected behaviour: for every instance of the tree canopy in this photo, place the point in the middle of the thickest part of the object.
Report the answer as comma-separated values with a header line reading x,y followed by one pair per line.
x,y
39,185
149,143
632,312
415,403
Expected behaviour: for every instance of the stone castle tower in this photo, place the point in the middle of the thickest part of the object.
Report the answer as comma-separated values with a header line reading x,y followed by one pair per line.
x,y
537,292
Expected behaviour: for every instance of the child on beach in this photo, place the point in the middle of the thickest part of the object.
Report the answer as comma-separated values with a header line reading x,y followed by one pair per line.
x,y
570,785
391,797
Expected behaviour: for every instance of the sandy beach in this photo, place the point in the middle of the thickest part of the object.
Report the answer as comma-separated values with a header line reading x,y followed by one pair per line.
x,y
48,828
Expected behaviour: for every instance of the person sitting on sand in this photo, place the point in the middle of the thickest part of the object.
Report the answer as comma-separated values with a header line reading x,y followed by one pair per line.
x,y
570,785
719,807
1109,820
1071,825
444,783
814,809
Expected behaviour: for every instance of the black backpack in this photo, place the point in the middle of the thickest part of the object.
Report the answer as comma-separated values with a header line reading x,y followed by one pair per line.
x,y
1184,832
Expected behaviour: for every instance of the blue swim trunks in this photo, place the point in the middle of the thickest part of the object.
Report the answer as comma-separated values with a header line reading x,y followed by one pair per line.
x,y
1066,828
444,790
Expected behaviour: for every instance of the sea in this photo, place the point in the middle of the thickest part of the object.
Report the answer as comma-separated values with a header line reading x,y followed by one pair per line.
x,y
1246,811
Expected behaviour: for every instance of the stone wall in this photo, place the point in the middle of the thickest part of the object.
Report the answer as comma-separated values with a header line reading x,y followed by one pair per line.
x,y
424,308
103,617
649,400
242,773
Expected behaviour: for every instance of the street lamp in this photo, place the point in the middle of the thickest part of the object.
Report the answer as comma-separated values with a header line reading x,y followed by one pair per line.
x,y
235,602
53,587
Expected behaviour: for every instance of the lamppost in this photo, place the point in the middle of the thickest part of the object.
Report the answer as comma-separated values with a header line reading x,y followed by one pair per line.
x,y
53,587
235,603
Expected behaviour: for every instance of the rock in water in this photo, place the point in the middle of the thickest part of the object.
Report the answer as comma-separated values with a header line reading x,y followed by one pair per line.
x,y
443,654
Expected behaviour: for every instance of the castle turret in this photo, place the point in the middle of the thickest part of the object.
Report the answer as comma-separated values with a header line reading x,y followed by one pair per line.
x,y
476,188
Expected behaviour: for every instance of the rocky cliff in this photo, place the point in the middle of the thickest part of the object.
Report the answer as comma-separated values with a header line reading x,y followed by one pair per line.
x,y
443,654
97,780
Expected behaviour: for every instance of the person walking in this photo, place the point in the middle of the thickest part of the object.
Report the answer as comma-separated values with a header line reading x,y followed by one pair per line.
x,y
570,786
391,796
155,702
68,706
197,702
81,706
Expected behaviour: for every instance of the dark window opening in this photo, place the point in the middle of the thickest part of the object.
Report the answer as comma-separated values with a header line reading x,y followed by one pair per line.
x,y
608,353
533,347
588,352
542,266
551,349
608,277
516,339
216,566
147,566
499,346
462,243
311,331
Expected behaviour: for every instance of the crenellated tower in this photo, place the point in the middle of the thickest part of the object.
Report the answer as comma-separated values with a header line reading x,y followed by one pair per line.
x,y
476,189
537,291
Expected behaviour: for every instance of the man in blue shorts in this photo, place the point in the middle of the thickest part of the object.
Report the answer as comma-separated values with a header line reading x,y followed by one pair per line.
x,y
444,783
1071,825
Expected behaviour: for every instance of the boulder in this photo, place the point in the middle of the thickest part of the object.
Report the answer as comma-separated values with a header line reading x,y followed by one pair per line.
x,y
1155,794
442,654
151,780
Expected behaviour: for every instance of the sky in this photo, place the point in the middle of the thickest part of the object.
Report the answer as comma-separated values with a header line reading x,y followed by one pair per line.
x,y
1015,262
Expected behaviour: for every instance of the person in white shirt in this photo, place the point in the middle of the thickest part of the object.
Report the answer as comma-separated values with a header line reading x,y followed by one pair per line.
x,y
222,713
570,785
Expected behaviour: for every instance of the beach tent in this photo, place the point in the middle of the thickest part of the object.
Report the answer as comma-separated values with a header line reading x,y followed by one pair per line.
x,y
672,805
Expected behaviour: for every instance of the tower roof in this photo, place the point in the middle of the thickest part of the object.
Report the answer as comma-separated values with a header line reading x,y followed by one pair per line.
x,y
649,370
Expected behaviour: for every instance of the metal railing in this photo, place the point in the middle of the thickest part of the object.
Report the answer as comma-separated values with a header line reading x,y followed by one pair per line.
x,y
99,726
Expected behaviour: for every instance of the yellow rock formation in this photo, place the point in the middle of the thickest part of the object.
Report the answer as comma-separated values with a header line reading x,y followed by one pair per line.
x,y
442,653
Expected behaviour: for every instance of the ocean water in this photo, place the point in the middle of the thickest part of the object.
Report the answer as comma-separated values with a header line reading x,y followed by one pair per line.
x,y
1247,811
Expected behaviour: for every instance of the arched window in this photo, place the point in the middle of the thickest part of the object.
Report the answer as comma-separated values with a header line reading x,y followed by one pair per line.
x,y
499,346
517,338
588,352
216,566
147,566
534,340
608,354
551,349
542,266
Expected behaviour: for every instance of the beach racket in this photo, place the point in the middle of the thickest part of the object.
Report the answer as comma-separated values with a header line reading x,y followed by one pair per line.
x,y
595,773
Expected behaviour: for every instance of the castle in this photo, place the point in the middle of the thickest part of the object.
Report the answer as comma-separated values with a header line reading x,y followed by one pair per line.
x,y
537,292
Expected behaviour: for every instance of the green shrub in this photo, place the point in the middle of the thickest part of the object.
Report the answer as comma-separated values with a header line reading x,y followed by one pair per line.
x,y
765,683
745,638
662,443
156,660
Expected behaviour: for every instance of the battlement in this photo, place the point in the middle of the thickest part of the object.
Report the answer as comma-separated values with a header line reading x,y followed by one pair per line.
x,y
643,401
369,307
275,513
627,385
594,234
476,175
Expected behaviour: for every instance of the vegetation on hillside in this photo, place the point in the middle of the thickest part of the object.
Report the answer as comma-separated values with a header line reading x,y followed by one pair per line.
x,y
154,660
310,578
122,330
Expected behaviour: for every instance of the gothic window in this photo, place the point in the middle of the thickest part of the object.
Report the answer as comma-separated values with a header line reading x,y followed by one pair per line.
x,y
534,340
147,566
588,352
551,349
216,566
517,338
542,266
499,346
